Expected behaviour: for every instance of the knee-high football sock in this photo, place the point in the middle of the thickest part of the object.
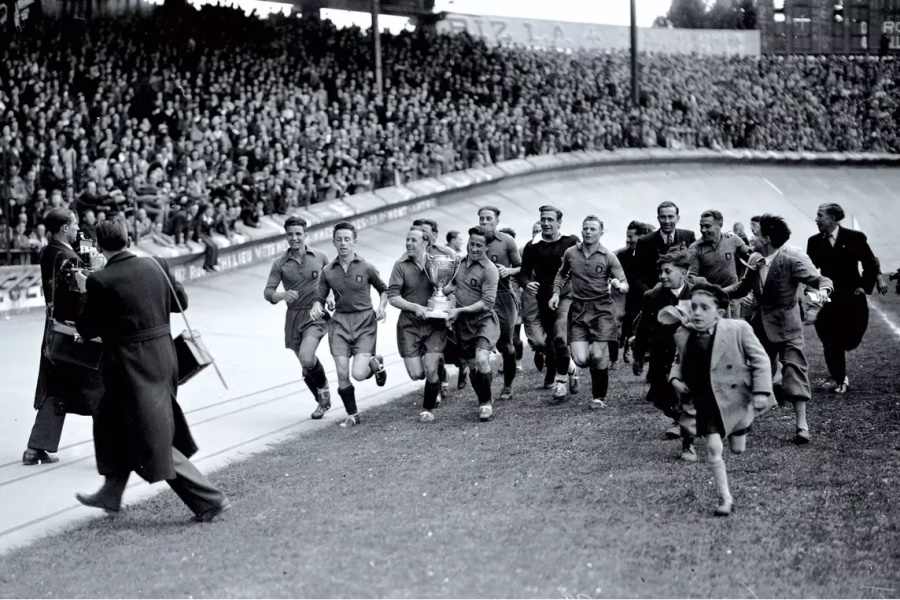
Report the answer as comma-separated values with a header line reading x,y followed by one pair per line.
x,y
721,478
599,382
563,359
613,351
431,394
317,374
481,383
509,369
348,395
310,383
442,370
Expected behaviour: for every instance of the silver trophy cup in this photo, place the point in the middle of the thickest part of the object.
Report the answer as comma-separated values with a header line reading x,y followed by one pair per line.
x,y
440,270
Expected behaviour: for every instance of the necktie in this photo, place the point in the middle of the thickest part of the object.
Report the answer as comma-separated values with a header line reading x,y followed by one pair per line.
x,y
668,239
832,239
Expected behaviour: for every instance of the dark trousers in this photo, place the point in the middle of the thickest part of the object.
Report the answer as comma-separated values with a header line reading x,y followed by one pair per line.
x,y
841,325
211,257
190,484
556,325
47,429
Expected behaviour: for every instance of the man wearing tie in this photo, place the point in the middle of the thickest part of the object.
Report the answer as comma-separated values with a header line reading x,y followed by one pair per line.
x,y
774,276
838,253
653,245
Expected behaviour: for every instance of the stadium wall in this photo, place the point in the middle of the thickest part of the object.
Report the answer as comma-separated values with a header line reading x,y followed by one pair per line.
x,y
20,286
565,35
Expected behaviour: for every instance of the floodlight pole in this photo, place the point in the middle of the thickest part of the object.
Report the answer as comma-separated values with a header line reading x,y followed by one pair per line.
x,y
376,37
635,82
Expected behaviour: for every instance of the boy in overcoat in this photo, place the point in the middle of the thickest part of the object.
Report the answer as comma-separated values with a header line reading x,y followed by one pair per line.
x,y
724,378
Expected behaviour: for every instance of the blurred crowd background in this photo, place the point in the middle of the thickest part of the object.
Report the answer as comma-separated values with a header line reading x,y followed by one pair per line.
x,y
194,125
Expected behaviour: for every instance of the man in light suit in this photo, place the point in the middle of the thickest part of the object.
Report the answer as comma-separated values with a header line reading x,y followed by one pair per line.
x,y
653,245
841,323
774,276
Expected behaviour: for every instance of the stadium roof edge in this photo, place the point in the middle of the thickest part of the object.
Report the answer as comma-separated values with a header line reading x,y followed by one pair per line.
x,y
400,8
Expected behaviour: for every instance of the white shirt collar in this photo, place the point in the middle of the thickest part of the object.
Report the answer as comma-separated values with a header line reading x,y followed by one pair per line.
x,y
677,292
770,258
540,238
834,232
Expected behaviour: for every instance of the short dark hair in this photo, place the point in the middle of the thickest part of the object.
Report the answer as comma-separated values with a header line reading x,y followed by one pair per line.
x,y
678,256
344,225
755,219
833,210
452,234
57,218
775,228
295,221
640,227
551,208
509,231
478,230
493,209
112,235
430,222
667,204
714,215
593,218
711,289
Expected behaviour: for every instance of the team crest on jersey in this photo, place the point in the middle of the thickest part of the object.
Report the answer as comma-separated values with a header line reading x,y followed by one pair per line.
x,y
473,282
315,274
494,258
359,279
728,256
599,268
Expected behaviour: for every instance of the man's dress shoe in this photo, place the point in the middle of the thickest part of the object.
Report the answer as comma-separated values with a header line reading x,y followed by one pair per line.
x,y
38,457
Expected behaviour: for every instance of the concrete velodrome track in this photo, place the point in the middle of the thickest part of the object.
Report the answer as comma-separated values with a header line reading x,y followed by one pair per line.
x,y
267,401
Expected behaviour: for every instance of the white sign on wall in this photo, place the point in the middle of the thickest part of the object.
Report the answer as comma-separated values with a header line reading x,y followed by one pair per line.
x,y
892,30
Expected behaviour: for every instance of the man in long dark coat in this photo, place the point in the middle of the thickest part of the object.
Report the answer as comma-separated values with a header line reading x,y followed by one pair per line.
x,y
841,324
59,384
139,426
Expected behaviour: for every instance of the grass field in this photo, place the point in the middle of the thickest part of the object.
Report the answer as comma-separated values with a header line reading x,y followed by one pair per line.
x,y
544,501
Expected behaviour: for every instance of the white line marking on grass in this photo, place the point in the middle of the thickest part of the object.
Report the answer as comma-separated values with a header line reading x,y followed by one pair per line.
x,y
887,319
772,185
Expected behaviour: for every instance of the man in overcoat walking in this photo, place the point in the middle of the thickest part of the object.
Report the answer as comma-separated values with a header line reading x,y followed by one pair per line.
x,y
138,425
842,323
58,383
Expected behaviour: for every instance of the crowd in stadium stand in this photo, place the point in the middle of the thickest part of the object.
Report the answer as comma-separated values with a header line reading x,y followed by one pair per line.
x,y
198,123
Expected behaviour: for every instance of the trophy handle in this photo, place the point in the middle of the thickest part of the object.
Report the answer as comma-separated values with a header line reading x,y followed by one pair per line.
x,y
458,260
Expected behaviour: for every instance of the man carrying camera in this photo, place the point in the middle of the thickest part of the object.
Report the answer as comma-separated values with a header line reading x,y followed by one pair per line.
x,y
59,383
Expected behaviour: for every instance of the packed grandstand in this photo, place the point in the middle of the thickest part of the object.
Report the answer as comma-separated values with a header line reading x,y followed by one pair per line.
x,y
195,123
